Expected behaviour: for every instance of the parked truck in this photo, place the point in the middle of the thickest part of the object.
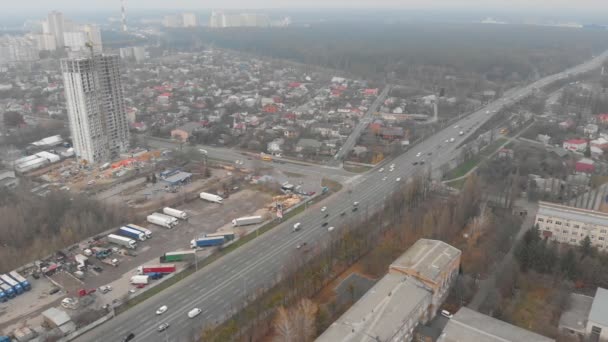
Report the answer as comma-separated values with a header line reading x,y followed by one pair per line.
x,y
146,231
155,275
211,197
122,241
8,290
243,221
140,280
178,256
164,269
12,283
21,280
175,213
131,233
162,220
81,260
207,242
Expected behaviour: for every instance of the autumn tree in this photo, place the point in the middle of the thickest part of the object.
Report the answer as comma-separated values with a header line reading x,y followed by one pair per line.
x,y
296,324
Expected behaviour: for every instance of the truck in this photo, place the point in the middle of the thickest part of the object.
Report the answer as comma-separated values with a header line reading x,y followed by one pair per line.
x,y
140,280
162,220
164,269
155,275
131,233
81,260
227,235
21,280
8,291
178,256
12,283
122,241
243,221
211,197
175,213
146,231
207,242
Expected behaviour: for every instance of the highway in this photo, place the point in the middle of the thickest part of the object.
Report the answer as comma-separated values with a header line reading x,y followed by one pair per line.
x,y
220,288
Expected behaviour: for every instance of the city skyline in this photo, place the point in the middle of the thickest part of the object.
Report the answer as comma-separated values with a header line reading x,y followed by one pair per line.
x,y
555,5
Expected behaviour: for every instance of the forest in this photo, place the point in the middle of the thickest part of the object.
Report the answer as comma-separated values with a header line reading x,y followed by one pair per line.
x,y
33,227
499,53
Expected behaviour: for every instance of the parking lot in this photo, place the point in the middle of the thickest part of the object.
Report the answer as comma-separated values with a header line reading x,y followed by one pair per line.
x,y
205,217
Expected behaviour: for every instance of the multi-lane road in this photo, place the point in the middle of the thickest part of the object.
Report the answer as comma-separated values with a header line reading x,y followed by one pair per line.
x,y
222,287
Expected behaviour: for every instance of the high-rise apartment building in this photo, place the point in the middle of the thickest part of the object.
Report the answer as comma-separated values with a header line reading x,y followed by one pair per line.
x,y
223,20
55,26
189,20
96,107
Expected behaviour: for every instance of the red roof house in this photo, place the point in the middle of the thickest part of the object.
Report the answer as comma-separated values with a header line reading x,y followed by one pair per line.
x,y
585,165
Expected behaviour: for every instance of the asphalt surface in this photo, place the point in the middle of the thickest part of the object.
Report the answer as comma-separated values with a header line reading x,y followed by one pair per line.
x,y
221,288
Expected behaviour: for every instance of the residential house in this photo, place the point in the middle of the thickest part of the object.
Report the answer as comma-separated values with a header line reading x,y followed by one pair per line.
x,y
184,132
602,119
308,144
590,130
600,143
275,146
543,138
575,145
585,165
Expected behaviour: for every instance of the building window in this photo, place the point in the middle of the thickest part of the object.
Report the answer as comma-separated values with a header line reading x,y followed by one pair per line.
x,y
574,233
565,231
559,223
549,221
601,238
567,224
603,231
572,240
576,226
541,220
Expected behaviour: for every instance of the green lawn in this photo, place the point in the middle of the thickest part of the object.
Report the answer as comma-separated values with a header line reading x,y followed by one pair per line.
x,y
463,168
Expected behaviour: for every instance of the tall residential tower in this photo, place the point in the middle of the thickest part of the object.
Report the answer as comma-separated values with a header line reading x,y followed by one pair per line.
x,y
96,107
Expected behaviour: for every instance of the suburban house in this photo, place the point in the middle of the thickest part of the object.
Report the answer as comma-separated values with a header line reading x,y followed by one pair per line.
x,y
575,145
184,132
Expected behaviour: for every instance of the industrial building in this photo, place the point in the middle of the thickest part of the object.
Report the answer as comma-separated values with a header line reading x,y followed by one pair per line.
x,y
96,107
407,296
571,225
468,325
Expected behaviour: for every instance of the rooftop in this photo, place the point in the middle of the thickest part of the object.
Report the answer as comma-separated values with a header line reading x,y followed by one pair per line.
x,y
575,317
468,325
381,312
58,317
572,214
427,258
599,308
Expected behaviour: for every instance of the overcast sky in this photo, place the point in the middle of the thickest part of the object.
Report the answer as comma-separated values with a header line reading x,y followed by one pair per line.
x,y
83,5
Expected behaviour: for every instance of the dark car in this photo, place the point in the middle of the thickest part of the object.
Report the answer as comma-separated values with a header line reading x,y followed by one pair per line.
x,y
54,290
415,163
342,214
324,224
98,268
129,337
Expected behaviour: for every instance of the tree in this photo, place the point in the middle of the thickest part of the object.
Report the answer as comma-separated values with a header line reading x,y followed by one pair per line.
x,y
13,119
568,265
297,324
587,152
585,248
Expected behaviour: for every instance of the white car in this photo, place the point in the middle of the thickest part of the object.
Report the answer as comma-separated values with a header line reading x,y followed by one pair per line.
x,y
452,139
194,312
398,179
384,178
381,170
418,154
446,313
330,229
323,209
297,226
161,310
447,140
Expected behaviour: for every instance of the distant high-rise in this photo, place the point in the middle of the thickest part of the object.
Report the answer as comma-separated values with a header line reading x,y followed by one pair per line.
x,y
56,27
96,107
223,20
189,20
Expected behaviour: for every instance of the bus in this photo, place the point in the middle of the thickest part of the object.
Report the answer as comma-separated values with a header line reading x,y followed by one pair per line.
x,y
228,235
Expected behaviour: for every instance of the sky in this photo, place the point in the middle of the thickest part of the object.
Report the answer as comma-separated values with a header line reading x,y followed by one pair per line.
x,y
83,5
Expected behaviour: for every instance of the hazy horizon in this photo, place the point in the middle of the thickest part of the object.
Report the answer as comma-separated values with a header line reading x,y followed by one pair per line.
x,y
509,5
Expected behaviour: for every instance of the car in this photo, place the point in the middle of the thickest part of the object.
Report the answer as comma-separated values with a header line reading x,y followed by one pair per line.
x,y
202,151
447,140
323,209
343,213
398,179
384,178
392,165
381,169
300,245
54,290
422,162
105,289
98,268
452,139
324,224
355,204
161,310
131,291
456,126
194,312
415,163
330,229
418,154
129,337
430,153
162,327
446,313
297,226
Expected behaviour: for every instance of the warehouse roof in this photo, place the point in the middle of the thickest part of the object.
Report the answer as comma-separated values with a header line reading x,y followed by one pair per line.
x,y
56,316
427,258
599,308
468,325
381,312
